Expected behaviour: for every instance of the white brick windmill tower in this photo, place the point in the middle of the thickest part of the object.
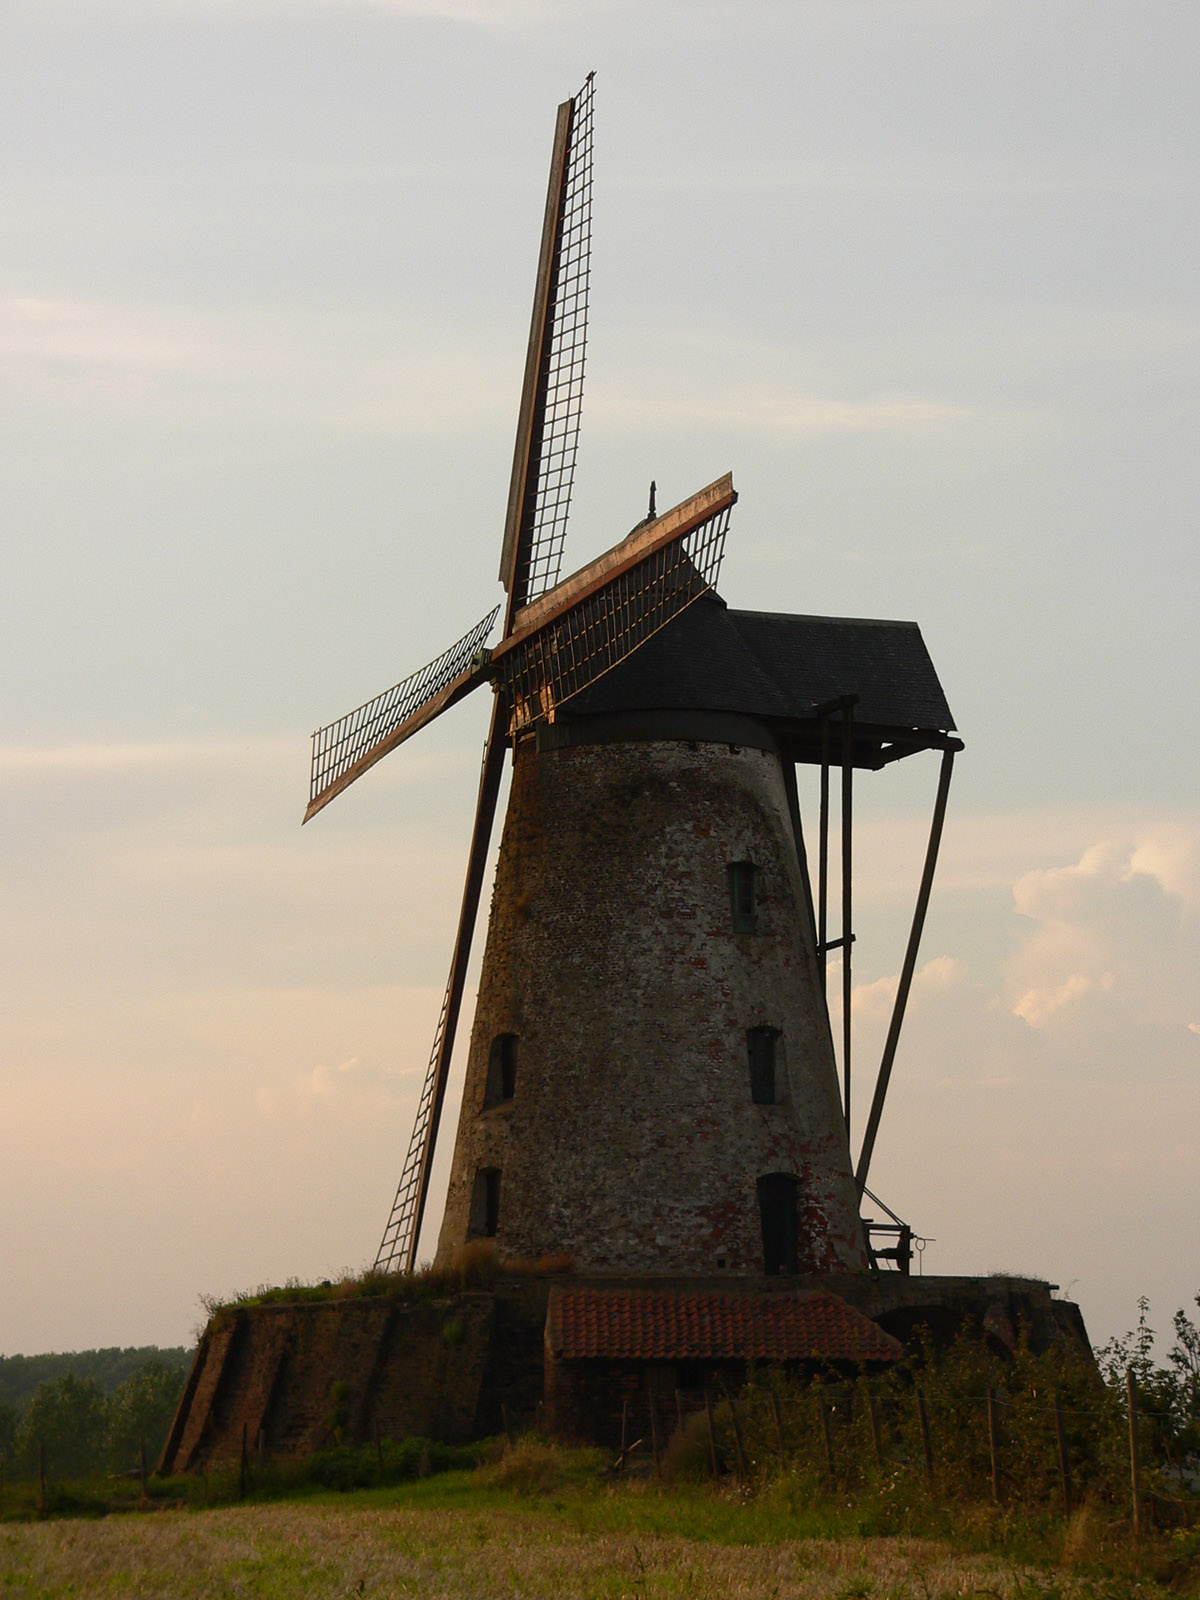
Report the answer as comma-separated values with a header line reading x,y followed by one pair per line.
x,y
651,1085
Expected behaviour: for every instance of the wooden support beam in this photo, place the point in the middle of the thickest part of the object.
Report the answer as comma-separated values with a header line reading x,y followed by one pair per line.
x,y
907,970
847,900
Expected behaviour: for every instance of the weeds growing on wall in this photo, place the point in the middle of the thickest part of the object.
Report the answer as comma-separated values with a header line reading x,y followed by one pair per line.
x,y
476,1267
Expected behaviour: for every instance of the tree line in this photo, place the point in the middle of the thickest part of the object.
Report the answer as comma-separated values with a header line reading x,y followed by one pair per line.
x,y
88,1411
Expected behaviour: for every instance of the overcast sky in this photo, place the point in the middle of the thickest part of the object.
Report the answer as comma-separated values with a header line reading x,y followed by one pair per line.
x,y
922,273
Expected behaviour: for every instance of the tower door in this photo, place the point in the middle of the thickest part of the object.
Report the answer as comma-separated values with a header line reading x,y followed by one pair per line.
x,y
777,1210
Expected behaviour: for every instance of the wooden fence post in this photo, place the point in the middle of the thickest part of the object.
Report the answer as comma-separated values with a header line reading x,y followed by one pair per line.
x,y
737,1439
778,1415
823,1412
624,1433
1064,1463
653,1428
508,1433
678,1410
876,1436
712,1435
926,1447
1135,1455
994,1444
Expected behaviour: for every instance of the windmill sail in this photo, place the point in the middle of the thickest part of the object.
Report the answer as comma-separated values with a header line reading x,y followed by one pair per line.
x,y
539,500
398,1248
598,617
345,749
552,397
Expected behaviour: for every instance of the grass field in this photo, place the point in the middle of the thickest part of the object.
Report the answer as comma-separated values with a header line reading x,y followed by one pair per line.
x,y
311,1550
458,1536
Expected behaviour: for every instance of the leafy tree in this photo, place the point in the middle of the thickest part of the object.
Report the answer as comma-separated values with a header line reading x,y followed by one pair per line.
x,y
10,1421
142,1408
1168,1396
1184,1356
1131,1352
69,1419
109,1367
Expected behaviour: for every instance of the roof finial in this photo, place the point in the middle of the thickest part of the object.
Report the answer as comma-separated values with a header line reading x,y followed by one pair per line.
x,y
651,514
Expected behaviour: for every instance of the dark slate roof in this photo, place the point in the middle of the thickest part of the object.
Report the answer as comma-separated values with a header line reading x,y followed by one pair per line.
x,y
775,667
817,659
667,1324
698,662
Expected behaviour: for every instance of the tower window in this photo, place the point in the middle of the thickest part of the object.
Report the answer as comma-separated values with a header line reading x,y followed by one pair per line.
x,y
760,1050
502,1070
777,1198
742,895
485,1204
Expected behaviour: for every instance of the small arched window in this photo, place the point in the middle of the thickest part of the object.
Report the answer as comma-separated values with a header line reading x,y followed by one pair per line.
x,y
742,896
484,1221
761,1055
501,1082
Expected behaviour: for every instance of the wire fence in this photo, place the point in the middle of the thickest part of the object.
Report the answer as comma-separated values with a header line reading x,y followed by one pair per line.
x,y
1044,1448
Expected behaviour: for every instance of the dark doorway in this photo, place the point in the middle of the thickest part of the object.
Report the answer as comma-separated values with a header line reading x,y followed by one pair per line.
x,y
777,1196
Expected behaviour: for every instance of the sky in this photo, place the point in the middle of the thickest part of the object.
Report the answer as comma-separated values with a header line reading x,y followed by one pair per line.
x,y
922,273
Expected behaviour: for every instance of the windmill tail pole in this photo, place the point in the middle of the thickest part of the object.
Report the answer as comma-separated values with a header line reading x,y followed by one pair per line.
x,y
909,967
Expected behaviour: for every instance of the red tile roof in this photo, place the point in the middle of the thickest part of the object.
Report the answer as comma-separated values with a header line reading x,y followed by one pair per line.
x,y
673,1324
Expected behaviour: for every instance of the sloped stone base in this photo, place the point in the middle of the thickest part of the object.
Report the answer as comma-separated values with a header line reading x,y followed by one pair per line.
x,y
291,1378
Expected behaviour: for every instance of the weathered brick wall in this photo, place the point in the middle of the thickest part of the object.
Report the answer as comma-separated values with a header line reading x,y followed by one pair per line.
x,y
308,1375
632,1143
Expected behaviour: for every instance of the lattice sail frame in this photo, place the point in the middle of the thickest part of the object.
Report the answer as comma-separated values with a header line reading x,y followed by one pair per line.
x,y
552,469
340,746
575,649
396,1249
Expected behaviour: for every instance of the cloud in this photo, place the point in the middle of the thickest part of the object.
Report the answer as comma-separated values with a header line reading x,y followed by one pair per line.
x,y
383,374
1099,981
759,407
1039,1006
82,761
137,873
873,1002
1112,943
354,1086
494,14
360,374
88,344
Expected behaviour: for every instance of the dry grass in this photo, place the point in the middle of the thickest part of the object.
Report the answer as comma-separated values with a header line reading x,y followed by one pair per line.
x,y
306,1551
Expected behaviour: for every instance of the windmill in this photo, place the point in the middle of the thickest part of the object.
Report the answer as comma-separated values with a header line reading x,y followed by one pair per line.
x,y
651,1084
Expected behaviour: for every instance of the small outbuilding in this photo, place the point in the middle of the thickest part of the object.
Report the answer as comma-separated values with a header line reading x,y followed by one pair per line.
x,y
614,1353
